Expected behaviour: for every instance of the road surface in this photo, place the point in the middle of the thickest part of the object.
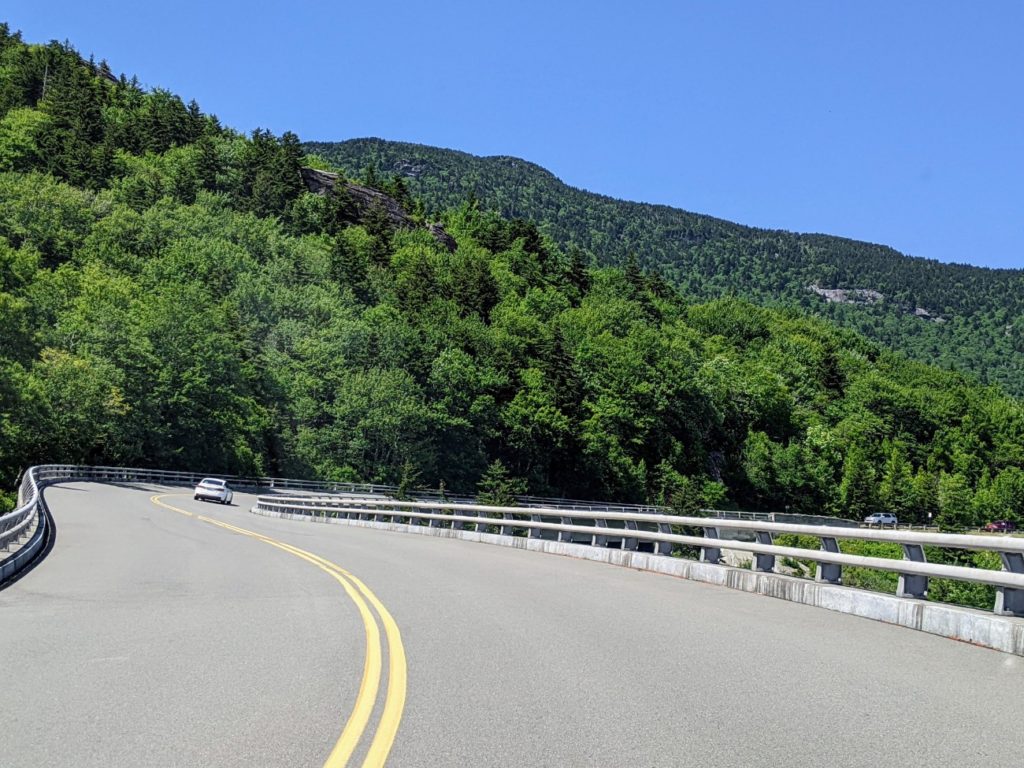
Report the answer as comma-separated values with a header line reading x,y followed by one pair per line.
x,y
151,635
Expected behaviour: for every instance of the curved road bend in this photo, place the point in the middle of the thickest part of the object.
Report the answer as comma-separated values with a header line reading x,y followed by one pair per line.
x,y
148,637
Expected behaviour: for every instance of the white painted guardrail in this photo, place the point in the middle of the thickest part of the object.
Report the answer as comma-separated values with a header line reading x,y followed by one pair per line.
x,y
626,530
30,520
603,525
16,525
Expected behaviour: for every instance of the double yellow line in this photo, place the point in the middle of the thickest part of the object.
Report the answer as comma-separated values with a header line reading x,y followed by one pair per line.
x,y
362,710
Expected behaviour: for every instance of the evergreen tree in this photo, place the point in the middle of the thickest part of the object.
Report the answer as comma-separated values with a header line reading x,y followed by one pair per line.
x,y
577,272
895,490
73,103
498,488
858,490
408,481
369,178
348,267
377,222
924,497
956,511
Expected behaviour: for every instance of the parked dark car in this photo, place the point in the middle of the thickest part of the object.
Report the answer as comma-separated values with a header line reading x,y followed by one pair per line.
x,y
1001,526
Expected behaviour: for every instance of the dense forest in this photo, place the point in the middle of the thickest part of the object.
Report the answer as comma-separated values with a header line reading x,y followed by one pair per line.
x,y
952,315
172,294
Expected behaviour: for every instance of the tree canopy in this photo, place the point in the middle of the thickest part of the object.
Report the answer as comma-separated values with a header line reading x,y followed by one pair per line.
x,y
952,315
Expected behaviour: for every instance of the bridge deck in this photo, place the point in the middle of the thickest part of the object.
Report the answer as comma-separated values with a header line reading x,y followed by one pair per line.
x,y
149,637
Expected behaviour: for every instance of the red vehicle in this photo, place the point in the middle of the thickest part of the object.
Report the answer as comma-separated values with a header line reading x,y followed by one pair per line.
x,y
1001,526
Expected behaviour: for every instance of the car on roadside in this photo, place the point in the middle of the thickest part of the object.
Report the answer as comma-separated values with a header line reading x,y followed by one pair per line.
x,y
1001,526
881,518
213,489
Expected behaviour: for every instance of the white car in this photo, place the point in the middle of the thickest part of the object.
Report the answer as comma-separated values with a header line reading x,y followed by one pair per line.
x,y
881,518
212,489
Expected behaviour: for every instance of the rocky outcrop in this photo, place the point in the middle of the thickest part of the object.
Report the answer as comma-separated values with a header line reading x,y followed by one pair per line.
x,y
869,296
361,202
443,237
927,314
848,295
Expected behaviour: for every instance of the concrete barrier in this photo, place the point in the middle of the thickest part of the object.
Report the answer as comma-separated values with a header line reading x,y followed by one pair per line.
x,y
1001,633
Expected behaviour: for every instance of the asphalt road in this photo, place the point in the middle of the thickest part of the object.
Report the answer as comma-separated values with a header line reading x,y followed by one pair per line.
x,y
152,638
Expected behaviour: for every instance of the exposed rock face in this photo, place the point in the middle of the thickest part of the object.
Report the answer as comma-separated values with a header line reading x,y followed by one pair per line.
x,y
442,237
868,296
927,314
318,182
363,200
848,295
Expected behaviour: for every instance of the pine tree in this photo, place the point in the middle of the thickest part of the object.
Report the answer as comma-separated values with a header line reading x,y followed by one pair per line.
x,y
348,267
370,176
857,491
408,481
377,222
577,273
924,497
400,192
956,511
73,103
498,488
895,490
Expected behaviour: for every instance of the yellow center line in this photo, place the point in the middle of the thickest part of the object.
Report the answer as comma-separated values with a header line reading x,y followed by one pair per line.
x,y
394,703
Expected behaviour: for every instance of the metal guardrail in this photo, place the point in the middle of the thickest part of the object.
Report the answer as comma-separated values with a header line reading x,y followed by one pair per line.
x,y
625,526
29,519
627,529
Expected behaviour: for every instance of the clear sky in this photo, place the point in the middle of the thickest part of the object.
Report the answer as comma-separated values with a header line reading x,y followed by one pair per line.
x,y
895,122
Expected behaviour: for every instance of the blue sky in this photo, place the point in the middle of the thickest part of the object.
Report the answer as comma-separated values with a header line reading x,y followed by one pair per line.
x,y
894,122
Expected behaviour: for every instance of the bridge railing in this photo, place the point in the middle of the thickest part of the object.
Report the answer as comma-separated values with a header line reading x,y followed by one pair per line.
x,y
626,530
593,523
18,524
28,520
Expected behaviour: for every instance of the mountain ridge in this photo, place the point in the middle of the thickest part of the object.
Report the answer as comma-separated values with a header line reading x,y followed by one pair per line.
x,y
515,159
709,257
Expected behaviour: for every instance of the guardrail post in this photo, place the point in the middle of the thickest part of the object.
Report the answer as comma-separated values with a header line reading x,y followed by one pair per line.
x,y
506,530
534,533
711,554
1009,601
831,573
631,542
764,562
664,547
565,535
599,540
911,585
456,524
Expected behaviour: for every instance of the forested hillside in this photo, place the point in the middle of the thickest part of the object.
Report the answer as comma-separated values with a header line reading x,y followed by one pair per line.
x,y
952,315
173,295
